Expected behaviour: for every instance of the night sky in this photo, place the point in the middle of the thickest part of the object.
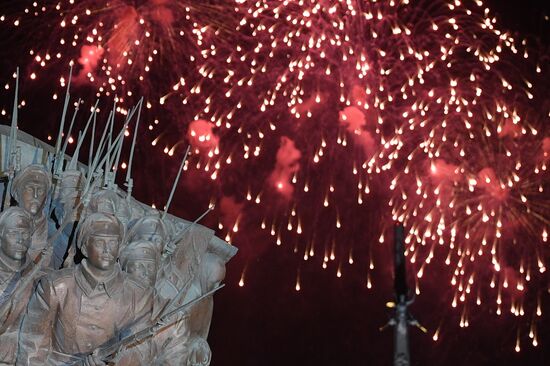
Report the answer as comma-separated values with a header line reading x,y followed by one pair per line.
x,y
331,320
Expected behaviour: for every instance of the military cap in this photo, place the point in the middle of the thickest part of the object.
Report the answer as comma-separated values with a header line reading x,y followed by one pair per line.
x,y
148,224
99,224
140,249
109,202
33,172
16,215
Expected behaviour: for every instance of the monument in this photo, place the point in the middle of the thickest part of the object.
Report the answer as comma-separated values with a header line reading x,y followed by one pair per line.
x,y
88,274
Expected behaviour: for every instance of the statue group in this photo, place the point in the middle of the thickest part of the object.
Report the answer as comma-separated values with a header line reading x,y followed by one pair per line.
x,y
91,276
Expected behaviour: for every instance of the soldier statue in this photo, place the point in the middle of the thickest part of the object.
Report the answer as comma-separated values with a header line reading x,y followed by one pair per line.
x,y
151,306
151,228
30,189
18,274
140,259
176,344
66,212
187,340
76,310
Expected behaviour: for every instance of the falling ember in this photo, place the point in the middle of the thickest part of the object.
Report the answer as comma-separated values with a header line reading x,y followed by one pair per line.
x,y
243,274
436,334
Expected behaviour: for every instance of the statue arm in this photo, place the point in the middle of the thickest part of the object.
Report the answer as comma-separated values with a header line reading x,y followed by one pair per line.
x,y
36,329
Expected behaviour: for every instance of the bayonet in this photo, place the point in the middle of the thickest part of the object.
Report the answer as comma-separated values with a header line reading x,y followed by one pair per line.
x,y
62,124
175,183
111,173
91,149
13,157
107,154
129,182
61,157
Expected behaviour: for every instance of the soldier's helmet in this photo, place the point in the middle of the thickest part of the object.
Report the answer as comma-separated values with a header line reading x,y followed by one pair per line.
x,y
33,172
139,250
151,228
109,202
15,216
99,224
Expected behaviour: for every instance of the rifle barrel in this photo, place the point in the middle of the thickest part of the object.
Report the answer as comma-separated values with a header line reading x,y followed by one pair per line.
x,y
107,353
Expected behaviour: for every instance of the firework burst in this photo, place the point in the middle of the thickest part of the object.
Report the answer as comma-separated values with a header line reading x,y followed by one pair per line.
x,y
322,122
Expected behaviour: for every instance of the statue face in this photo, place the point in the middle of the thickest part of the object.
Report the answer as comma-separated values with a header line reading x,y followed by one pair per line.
x,y
33,196
143,270
102,251
16,240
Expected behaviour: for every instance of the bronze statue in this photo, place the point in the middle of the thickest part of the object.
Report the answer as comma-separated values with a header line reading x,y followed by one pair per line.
x,y
151,228
204,256
68,195
17,277
76,310
177,344
210,276
66,208
139,299
110,202
140,259
30,189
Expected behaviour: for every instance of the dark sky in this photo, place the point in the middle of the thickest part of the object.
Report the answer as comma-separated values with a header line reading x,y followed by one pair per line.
x,y
336,321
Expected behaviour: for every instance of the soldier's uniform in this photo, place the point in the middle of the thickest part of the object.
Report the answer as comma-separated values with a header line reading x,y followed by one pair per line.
x,y
72,314
19,282
171,345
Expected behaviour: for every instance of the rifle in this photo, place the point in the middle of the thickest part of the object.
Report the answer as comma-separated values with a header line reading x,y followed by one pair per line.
x,y
175,183
55,157
129,182
108,352
13,156
74,160
180,236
